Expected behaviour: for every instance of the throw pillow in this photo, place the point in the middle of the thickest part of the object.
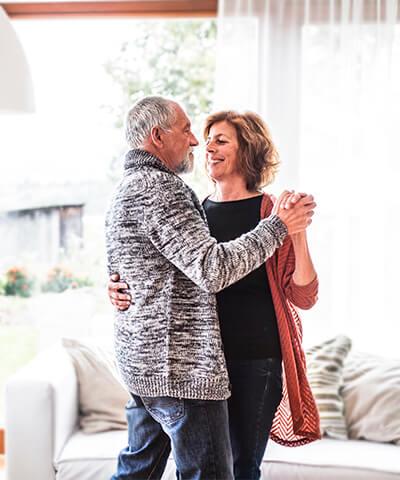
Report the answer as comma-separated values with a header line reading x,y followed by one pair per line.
x,y
371,396
102,396
325,374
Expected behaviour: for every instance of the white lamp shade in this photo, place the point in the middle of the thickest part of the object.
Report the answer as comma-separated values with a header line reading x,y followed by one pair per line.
x,y
16,88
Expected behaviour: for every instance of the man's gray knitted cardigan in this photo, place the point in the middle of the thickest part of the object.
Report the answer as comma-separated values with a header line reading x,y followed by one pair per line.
x,y
168,342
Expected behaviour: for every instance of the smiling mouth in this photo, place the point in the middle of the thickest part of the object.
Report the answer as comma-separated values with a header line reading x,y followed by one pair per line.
x,y
213,162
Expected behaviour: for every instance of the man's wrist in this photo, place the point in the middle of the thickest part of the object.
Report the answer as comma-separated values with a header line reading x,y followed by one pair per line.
x,y
278,226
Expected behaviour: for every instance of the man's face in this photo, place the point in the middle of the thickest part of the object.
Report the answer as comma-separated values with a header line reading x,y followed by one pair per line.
x,y
179,142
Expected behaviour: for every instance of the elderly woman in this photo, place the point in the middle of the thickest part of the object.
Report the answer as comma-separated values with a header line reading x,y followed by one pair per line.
x,y
260,328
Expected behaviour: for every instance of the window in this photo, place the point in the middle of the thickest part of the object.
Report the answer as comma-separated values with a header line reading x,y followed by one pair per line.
x,y
60,164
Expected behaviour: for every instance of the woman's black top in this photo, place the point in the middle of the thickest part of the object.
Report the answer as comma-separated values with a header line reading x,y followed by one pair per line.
x,y
245,309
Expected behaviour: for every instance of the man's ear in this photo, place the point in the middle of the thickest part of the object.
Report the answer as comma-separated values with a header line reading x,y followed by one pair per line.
x,y
156,135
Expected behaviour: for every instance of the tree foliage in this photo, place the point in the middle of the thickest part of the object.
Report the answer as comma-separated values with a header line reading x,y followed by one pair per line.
x,y
175,59
172,58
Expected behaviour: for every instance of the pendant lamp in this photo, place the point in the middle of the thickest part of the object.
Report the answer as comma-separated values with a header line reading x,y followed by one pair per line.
x,y
16,88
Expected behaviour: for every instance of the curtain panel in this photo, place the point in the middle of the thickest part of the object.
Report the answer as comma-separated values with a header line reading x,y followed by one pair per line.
x,y
325,75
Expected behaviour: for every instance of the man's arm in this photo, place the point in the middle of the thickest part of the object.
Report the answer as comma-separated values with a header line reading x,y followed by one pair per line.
x,y
179,233
176,224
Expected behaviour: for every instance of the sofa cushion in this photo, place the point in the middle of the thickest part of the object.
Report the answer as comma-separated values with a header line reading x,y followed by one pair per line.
x,y
371,396
325,374
93,457
102,396
332,459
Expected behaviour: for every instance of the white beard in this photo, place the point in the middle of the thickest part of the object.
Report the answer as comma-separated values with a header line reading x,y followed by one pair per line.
x,y
186,166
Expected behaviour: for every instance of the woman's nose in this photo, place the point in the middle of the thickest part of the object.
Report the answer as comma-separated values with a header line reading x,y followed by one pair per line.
x,y
210,147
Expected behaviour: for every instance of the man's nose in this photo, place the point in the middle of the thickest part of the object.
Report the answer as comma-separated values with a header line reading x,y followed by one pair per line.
x,y
194,142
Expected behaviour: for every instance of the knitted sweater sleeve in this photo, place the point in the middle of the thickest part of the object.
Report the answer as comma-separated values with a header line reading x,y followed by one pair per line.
x,y
176,228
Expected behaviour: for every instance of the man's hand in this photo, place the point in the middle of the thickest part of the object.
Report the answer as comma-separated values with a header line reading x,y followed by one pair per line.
x,y
120,300
295,210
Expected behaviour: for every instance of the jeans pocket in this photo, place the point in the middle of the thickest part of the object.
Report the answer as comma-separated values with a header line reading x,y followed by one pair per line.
x,y
277,381
130,404
134,402
165,410
276,376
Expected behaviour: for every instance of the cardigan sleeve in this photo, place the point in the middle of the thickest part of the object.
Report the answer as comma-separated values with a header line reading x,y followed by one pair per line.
x,y
302,296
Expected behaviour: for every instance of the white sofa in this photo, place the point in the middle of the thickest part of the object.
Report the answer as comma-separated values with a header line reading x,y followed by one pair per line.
x,y
43,441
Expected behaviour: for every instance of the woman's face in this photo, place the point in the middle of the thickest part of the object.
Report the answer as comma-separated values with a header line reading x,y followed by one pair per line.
x,y
222,148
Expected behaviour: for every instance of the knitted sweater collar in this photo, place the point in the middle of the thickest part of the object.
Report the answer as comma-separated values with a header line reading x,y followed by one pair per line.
x,y
136,159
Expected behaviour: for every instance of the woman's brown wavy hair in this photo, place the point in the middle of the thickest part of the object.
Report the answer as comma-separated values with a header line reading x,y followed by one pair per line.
x,y
258,159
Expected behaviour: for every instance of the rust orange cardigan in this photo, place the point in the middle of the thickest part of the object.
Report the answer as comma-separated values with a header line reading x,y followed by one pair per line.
x,y
296,420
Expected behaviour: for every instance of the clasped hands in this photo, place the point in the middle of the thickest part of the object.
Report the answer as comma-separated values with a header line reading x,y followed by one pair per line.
x,y
295,209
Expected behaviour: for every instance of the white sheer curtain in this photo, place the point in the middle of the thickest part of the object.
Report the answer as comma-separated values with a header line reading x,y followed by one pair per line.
x,y
325,75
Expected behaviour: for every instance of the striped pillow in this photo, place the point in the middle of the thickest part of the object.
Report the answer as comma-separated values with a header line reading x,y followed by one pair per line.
x,y
325,374
371,395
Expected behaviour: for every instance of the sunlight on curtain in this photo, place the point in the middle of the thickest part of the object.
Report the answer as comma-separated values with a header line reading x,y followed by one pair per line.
x,y
332,99
258,65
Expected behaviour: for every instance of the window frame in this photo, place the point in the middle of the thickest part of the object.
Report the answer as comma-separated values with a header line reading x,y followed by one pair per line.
x,y
109,8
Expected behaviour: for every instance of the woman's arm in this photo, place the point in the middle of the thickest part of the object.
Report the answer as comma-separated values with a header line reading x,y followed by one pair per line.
x,y
304,271
300,280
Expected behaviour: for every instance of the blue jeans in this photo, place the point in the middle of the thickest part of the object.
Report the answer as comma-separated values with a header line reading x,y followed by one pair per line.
x,y
256,394
197,430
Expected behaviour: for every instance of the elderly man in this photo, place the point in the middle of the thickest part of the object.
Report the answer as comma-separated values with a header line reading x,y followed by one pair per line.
x,y
168,343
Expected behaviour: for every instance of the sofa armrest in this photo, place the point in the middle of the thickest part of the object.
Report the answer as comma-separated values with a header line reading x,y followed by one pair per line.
x,y
41,413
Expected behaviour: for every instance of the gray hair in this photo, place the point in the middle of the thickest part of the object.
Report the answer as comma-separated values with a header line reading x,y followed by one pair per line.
x,y
147,113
